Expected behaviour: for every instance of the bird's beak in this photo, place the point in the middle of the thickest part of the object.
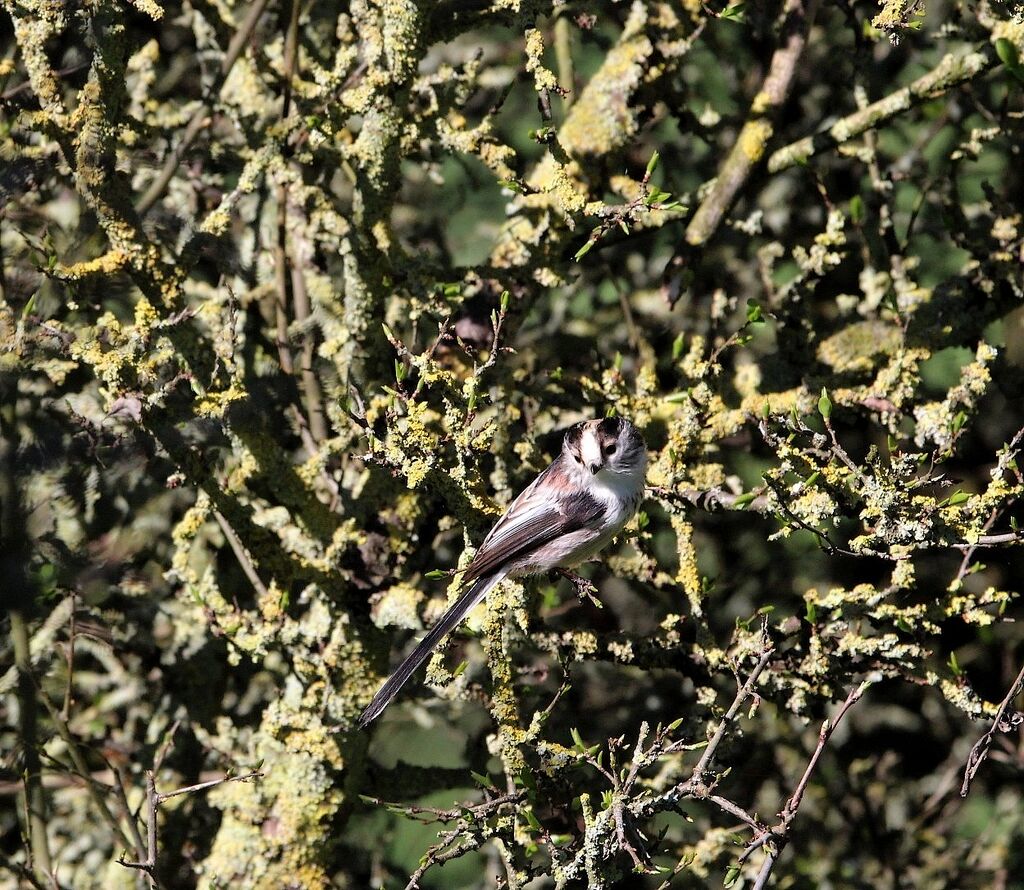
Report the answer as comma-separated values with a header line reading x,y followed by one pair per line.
x,y
594,466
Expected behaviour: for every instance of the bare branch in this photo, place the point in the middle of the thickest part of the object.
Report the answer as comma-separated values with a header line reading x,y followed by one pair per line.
x,y
775,839
1000,723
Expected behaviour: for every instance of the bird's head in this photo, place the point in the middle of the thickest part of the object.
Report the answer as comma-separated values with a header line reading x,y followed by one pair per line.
x,y
611,445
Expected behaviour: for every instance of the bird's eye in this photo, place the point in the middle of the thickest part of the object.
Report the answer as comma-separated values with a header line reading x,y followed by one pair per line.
x,y
610,449
579,459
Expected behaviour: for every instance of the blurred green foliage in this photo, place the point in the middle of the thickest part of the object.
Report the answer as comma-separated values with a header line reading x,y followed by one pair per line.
x,y
294,297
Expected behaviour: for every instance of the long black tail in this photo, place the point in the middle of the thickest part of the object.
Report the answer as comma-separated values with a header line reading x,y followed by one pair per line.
x,y
459,610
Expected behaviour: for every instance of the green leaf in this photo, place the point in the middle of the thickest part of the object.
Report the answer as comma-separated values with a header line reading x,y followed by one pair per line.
x,y
653,162
1007,52
734,12
824,404
29,306
957,497
434,574
526,780
857,209
754,313
743,500
656,196
482,780
505,298
677,346
585,249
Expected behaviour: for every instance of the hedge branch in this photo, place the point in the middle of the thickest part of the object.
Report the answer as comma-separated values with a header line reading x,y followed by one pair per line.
x,y
951,72
750,146
35,796
775,839
199,120
153,800
1000,723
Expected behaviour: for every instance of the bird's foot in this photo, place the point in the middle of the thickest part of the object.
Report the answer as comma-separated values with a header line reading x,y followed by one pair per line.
x,y
585,589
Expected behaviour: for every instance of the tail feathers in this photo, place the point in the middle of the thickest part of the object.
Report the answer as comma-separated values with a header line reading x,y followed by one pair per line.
x,y
459,609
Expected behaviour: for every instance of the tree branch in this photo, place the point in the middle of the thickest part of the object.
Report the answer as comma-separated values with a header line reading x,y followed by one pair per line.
x,y
775,839
750,146
1000,723
951,72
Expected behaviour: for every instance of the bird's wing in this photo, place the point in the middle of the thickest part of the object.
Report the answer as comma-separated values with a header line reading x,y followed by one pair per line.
x,y
542,513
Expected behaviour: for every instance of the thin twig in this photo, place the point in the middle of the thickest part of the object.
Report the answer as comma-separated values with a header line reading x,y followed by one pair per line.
x,y
212,783
479,810
153,800
199,120
68,690
437,855
64,731
129,817
774,839
241,554
704,764
26,86
35,796
999,724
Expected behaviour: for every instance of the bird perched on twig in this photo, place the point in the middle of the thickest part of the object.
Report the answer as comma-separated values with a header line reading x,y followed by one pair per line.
x,y
564,517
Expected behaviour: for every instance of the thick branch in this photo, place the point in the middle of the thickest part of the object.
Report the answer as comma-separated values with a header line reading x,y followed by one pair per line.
x,y
749,148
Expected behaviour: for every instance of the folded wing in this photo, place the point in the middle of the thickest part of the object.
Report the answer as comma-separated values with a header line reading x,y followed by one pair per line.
x,y
537,517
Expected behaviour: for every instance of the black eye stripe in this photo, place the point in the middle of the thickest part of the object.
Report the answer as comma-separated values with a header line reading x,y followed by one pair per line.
x,y
610,426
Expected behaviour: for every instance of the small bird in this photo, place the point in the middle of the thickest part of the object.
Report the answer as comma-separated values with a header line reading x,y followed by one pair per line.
x,y
562,518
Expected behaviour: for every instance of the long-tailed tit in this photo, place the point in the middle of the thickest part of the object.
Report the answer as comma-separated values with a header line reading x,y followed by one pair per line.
x,y
564,517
